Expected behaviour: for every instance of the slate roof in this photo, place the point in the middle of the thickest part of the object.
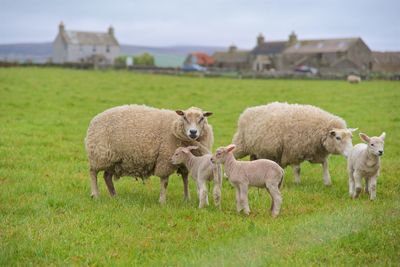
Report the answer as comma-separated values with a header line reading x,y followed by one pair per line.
x,y
89,38
268,48
321,46
238,56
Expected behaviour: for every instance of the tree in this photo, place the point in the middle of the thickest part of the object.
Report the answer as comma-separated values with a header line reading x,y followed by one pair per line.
x,y
145,59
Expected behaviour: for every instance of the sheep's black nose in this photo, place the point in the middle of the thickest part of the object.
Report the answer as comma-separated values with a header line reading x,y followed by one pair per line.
x,y
193,131
380,152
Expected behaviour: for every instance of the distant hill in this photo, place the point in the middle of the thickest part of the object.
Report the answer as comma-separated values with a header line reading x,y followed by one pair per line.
x,y
41,52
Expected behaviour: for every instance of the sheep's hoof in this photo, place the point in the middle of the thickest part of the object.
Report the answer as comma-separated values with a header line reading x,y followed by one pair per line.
x,y
328,184
162,201
94,196
247,212
274,215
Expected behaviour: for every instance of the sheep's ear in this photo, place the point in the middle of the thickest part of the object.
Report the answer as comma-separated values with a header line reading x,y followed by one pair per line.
x,y
332,133
180,112
230,148
353,129
207,114
192,148
364,137
382,136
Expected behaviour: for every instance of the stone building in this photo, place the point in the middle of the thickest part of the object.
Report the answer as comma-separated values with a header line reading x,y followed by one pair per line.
x,y
232,60
100,48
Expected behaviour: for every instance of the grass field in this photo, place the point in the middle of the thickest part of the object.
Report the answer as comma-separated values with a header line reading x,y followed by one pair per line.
x,y
48,218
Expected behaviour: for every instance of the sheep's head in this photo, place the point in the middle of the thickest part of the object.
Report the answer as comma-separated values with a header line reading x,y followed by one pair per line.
x,y
375,144
193,120
181,153
339,141
221,154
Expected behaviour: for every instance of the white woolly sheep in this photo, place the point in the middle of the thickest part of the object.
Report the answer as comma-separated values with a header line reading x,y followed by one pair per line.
x,y
364,161
202,170
138,141
290,134
260,173
353,79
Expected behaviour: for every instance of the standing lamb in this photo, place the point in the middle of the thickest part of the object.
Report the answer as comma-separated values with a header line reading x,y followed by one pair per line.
x,y
260,173
202,170
290,134
353,79
138,141
364,161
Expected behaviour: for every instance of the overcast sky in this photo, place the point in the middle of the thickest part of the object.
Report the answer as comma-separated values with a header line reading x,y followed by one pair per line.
x,y
205,22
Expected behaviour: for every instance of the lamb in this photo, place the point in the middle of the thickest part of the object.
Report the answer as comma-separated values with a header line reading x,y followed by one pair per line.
x,y
353,79
202,170
138,141
260,173
290,134
364,161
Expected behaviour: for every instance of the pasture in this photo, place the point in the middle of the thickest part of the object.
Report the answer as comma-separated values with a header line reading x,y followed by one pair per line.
x,y
48,218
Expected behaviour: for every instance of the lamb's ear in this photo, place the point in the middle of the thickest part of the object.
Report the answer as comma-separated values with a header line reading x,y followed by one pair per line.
x,y
207,114
382,136
192,148
180,112
230,148
353,129
364,137
332,133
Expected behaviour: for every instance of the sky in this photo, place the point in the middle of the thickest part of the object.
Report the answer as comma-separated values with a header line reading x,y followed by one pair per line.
x,y
205,22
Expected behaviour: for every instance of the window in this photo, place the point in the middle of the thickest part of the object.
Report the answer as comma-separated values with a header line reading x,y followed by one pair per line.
x,y
94,48
108,49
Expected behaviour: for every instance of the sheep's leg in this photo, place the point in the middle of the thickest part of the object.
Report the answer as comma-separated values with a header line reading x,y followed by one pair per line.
x,y
203,197
244,198
109,182
296,172
238,204
366,186
326,175
358,184
163,189
276,198
351,183
372,187
217,172
94,186
185,180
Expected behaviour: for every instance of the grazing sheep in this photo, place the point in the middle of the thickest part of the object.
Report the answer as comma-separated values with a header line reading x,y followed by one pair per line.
x,y
202,170
260,173
353,79
364,161
138,141
290,134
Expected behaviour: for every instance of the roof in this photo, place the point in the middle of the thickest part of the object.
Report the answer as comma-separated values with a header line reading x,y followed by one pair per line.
x,y
89,38
238,56
321,46
269,48
203,59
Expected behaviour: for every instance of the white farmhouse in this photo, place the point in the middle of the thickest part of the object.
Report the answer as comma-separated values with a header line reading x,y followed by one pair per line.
x,y
100,48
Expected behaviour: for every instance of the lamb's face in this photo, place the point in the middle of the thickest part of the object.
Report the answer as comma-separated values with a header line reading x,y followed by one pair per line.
x,y
193,121
375,144
178,157
221,154
339,141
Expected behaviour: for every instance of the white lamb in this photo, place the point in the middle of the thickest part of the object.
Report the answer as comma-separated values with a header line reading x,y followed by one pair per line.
x,y
364,161
202,170
353,79
261,173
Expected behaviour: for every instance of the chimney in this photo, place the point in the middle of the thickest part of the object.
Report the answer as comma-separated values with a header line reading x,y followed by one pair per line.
x,y
260,39
111,30
61,27
232,48
292,39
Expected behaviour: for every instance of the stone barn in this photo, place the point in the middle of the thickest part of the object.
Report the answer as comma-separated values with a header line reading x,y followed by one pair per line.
x,y
99,48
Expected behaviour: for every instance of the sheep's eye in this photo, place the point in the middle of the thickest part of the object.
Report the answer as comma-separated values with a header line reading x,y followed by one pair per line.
x,y
184,117
201,119
372,144
338,138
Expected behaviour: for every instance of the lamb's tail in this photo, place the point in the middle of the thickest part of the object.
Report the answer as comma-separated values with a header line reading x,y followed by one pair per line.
x,y
281,181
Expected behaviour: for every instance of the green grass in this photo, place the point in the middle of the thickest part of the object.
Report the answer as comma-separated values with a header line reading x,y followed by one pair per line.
x,y
48,218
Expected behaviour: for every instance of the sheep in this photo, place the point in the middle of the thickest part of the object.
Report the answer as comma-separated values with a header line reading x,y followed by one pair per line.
x,y
138,141
364,161
353,79
260,173
202,170
290,134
